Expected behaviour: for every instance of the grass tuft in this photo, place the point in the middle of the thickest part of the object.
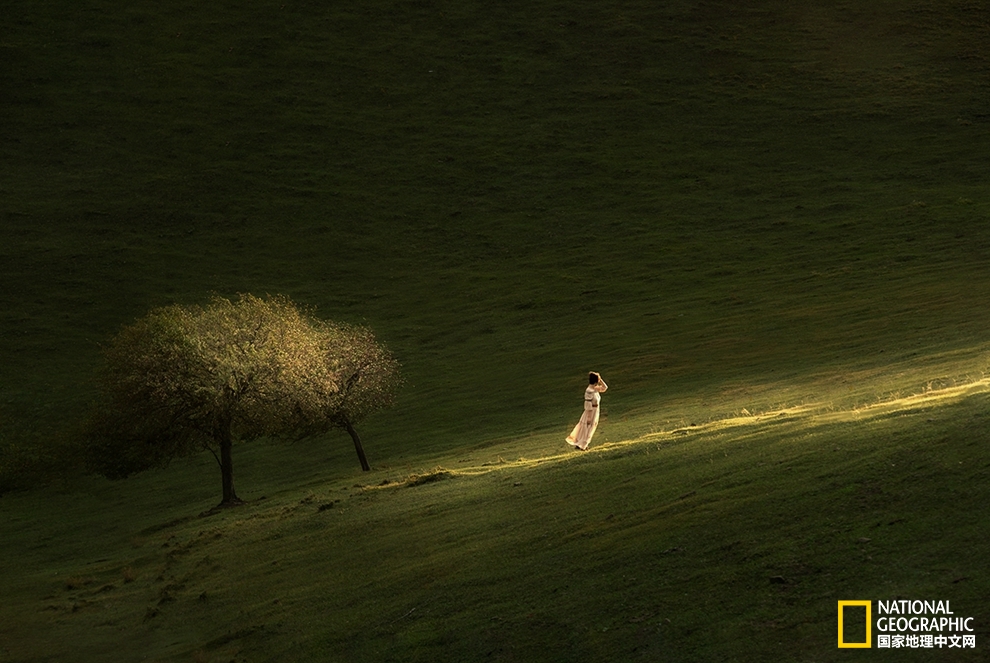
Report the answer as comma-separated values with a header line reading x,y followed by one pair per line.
x,y
438,474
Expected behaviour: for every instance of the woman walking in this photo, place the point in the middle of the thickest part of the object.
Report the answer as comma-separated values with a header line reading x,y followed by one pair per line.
x,y
581,436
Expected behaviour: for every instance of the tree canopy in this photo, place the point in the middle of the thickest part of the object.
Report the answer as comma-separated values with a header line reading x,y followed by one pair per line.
x,y
187,378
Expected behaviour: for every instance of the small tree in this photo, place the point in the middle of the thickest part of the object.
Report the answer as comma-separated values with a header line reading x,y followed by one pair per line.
x,y
366,377
185,378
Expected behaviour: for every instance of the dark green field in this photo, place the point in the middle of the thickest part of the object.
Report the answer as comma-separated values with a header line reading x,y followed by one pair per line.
x,y
766,223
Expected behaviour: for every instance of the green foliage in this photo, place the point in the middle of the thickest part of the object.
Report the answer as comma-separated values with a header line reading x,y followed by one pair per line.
x,y
189,377
365,371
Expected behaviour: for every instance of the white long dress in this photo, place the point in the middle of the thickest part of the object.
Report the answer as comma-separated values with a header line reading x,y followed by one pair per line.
x,y
581,436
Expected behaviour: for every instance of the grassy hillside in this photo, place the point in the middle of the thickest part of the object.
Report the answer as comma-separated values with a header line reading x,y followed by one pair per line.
x,y
680,195
726,208
721,542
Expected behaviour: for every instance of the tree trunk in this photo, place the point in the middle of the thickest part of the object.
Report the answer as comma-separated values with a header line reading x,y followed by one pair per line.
x,y
357,446
227,467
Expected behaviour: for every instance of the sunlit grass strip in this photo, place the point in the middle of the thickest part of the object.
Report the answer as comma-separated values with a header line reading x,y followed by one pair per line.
x,y
808,415
931,397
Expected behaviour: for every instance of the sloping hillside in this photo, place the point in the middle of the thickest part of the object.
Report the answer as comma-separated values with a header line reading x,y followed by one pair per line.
x,y
731,540
731,210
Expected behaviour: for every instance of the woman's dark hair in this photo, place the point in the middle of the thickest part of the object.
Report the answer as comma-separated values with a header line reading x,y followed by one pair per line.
x,y
593,378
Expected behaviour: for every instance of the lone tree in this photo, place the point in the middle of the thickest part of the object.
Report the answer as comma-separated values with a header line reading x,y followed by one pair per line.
x,y
187,378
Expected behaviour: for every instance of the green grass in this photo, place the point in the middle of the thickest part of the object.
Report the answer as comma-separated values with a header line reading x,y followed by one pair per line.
x,y
728,541
720,207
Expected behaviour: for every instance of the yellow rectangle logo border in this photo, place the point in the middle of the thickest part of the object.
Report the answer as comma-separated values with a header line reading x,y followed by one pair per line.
x,y
869,620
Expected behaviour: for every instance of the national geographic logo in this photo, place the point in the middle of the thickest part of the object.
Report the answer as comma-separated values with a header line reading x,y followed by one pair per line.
x,y
867,641
903,624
